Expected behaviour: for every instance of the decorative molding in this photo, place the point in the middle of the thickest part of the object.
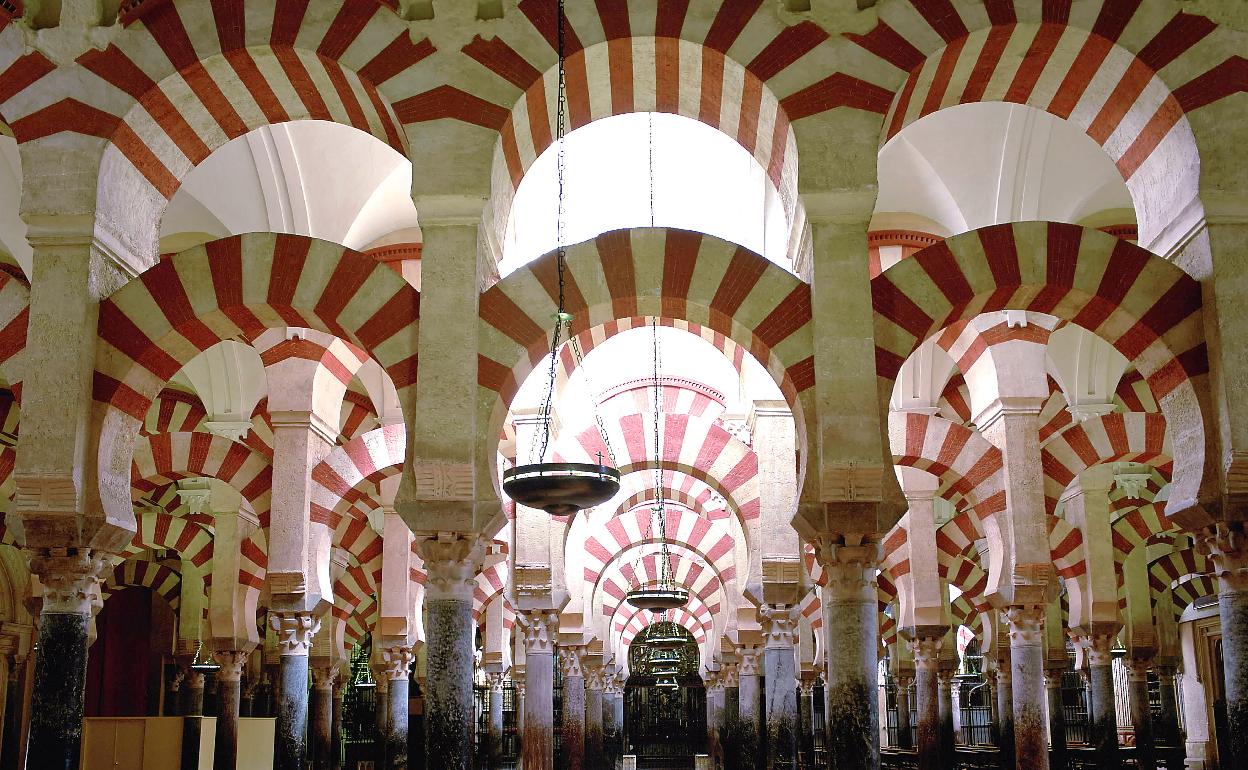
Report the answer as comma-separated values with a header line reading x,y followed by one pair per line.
x,y
443,480
295,631
851,482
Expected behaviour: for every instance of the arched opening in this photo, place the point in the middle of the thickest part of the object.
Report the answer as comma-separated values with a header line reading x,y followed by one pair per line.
x,y
664,697
133,644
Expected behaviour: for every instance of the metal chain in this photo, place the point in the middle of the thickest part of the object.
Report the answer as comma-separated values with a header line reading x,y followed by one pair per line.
x,y
561,316
666,579
579,358
650,137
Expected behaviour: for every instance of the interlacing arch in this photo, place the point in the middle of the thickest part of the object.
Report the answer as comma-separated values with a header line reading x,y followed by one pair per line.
x,y
1117,437
648,272
1147,308
164,581
156,323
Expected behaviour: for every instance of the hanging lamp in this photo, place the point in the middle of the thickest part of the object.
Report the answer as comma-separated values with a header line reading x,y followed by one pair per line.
x,y
560,489
202,665
666,595
665,635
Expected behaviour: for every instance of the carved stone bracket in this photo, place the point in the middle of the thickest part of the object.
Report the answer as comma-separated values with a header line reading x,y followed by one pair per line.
x,y
398,662
70,578
232,663
452,561
295,631
541,629
496,680
749,661
779,624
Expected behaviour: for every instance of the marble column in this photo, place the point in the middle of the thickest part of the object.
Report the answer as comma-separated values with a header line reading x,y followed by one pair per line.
x,y
398,662
294,639
381,712
494,737
926,652
1227,546
780,678
747,698
229,680
806,716
247,697
324,673
1102,718
1005,714
901,696
1141,715
851,618
451,562
732,692
994,711
572,729
612,725
948,744
335,725
541,627
60,669
594,748
1057,718
1166,727
714,717
617,705
192,711
1026,627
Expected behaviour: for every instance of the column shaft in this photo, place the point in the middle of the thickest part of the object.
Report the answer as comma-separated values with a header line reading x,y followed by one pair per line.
x,y
747,702
322,708
451,563
851,617
806,715
572,727
594,756
1228,550
396,732
494,748
1102,718
927,692
1057,719
336,728
1142,716
947,743
611,726
229,677
1166,728
782,718
58,699
295,632
902,698
1026,624
539,681
192,724
13,719
1005,712
714,720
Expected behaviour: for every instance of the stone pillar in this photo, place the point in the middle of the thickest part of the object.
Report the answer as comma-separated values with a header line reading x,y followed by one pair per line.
x,y
61,666
572,729
617,705
1166,728
747,697
192,710
1228,552
613,745
595,756
947,742
14,719
322,749
540,629
732,693
806,716
901,696
1102,718
247,697
851,618
1141,715
494,738
294,639
452,561
381,711
229,679
780,676
714,717
1005,715
926,652
1057,718
1026,624
398,661
335,725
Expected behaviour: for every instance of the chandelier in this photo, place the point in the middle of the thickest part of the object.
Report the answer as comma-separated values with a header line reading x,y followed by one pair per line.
x,y
560,489
665,595
665,635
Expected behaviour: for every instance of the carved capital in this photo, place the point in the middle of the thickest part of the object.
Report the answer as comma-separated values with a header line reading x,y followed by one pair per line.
x,y
926,651
452,561
806,686
779,625
729,676
595,676
850,568
232,663
1053,678
1096,647
541,628
294,631
496,680
70,578
1138,668
324,676
944,677
570,659
1226,544
750,657
397,662
1026,626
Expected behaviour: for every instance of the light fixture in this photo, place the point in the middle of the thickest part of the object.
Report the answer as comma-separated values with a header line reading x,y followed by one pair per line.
x,y
665,635
666,595
202,665
560,489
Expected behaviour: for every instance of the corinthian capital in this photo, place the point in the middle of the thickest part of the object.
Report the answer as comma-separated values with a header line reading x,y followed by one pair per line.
x,y
69,577
779,624
232,663
1026,625
926,651
398,662
452,561
294,631
570,659
540,629
1226,544
851,565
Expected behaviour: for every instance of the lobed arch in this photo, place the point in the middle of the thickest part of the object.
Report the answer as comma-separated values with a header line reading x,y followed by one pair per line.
x,y
639,272
1117,437
1145,307
157,322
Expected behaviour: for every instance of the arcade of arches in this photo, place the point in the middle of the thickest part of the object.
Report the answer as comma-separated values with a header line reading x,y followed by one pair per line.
x,y
948,429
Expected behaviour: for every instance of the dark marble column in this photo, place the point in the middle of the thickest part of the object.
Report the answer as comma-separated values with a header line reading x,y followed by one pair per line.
x,y
994,711
1142,715
1102,718
294,639
192,713
926,651
247,697
324,673
851,618
1166,726
732,692
173,694
1228,552
229,680
10,750
398,662
452,563
806,715
1005,713
1026,628
541,627
947,742
1057,718
613,747
780,678
572,729
594,748
494,738
61,668
901,696
714,717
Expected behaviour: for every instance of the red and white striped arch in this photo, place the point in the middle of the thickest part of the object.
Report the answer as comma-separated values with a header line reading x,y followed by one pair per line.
x,y
367,459
640,565
1173,568
163,581
174,411
1118,437
235,288
694,617
967,465
1066,548
340,359
1137,526
1141,304
490,582
711,540
167,457
677,395
14,317
192,541
635,273
678,488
